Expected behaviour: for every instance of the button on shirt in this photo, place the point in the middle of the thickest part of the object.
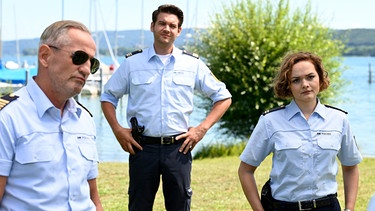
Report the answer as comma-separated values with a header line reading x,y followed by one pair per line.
x,y
47,158
161,96
304,152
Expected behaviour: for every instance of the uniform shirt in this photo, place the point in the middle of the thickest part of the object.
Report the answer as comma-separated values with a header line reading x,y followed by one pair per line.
x,y
47,158
304,165
371,204
161,96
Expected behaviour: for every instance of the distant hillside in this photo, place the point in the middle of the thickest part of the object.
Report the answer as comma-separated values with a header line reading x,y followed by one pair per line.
x,y
360,42
127,41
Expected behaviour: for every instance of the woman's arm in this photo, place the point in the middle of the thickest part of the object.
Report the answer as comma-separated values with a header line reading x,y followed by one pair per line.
x,y
249,186
351,178
94,194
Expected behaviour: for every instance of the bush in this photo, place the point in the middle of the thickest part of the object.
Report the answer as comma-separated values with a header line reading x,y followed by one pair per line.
x,y
244,47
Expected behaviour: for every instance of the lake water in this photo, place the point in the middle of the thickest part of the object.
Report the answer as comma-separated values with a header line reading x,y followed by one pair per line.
x,y
358,100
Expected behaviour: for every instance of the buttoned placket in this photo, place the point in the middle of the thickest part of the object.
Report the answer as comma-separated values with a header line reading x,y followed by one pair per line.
x,y
70,154
163,100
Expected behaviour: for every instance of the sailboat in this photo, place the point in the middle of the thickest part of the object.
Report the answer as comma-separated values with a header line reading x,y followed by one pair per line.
x,y
13,73
105,71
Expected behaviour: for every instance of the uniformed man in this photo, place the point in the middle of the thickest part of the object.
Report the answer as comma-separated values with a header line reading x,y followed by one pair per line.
x,y
160,82
48,156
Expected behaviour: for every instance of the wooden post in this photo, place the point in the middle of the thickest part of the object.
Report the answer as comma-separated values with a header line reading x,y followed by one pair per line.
x,y
369,73
26,76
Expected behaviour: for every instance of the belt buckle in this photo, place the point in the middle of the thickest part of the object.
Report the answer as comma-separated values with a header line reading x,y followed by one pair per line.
x,y
167,140
301,208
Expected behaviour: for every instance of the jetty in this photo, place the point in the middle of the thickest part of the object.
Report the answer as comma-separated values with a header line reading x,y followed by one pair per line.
x,y
94,84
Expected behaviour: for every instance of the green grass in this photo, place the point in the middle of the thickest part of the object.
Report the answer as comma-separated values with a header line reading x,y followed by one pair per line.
x,y
215,185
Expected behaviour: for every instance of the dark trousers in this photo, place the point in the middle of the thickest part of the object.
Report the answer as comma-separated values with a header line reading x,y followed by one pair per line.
x,y
145,169
335,206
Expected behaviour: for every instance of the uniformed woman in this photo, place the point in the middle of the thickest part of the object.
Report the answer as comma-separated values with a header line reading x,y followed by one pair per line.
x,y
305,138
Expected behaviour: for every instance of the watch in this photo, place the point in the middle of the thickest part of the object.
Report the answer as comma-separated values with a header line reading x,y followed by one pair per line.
x,y
346,209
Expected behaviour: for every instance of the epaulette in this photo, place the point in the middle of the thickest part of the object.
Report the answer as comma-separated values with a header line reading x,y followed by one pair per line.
x,y
273,109
191,54
85,108
328,106
6,99
133,53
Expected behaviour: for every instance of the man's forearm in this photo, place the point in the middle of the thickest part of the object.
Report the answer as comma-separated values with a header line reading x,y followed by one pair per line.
x,y
217,111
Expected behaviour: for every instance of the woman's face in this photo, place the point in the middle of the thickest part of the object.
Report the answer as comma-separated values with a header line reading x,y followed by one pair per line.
x,y
304,82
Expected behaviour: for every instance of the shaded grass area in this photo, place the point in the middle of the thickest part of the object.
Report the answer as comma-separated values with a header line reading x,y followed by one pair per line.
x,y
215,185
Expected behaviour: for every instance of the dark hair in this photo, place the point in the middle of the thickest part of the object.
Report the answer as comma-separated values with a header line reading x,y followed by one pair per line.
x,y
171,9
282,79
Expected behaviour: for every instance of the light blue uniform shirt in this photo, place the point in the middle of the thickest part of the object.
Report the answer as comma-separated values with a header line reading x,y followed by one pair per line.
x,y
304,165
47,158
161,96
371,204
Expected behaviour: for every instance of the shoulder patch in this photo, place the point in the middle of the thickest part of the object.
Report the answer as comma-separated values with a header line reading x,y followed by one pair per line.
x,y
273,109
191,54
133,53
85,108
6,99
328,106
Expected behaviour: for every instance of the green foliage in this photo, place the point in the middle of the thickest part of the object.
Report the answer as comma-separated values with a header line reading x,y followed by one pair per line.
x,y
357,37
364,50
359,42
220,150
8,88
244,48
30,51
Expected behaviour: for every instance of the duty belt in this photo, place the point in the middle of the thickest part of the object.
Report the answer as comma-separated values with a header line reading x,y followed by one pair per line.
x,y
161,140
304,205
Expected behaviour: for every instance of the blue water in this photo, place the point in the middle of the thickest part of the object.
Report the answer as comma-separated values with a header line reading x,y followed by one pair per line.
x,y
358,99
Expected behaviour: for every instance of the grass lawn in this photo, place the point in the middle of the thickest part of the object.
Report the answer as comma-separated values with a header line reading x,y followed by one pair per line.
x,y
215,185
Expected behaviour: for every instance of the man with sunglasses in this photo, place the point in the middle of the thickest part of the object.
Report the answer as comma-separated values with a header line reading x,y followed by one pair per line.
x,y
160,82
48,156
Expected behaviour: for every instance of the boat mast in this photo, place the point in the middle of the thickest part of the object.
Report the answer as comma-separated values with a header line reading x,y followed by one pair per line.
x,y
62,9
116,21
142,31
17,40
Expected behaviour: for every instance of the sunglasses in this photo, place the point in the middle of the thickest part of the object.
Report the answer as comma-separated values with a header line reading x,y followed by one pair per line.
x,y
80,57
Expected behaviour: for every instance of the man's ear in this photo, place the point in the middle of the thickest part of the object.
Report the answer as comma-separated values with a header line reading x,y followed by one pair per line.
x,y
44,53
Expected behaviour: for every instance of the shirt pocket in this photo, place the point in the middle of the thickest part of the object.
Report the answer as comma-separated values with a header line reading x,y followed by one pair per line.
x,y
183,78
288,156
142,78
331,142
27,154
88,150
287,144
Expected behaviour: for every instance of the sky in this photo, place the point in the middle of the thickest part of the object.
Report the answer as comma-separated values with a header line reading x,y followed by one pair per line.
x,y
25,19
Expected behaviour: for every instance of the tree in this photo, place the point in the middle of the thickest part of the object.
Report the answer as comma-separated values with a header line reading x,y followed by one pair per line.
x,y
245,45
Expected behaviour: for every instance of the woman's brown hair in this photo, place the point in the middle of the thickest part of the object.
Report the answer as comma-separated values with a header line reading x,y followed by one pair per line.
x,y
282,79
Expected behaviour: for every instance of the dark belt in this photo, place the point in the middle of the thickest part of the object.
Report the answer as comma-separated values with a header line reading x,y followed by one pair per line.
x,y
305,205
161,140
